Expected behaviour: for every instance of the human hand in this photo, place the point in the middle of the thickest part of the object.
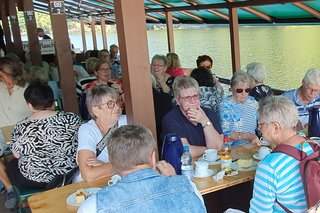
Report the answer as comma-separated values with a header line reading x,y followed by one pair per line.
x,y
197,115
165,168
256,141
94,162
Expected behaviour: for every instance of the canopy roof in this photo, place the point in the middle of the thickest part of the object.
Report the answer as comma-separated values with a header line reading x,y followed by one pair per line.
x,y
200,11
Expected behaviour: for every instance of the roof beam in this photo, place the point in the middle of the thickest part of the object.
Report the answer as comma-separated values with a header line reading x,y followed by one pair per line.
x,y
259,14
168,6
240,4
307,9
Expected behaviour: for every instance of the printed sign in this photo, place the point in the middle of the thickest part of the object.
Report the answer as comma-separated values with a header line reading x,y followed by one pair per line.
x,y
57,7
29,15
47,46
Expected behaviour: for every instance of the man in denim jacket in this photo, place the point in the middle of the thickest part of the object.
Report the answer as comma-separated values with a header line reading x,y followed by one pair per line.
x,y
132,152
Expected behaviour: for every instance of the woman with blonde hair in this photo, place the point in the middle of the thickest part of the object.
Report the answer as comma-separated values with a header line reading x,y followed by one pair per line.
x,y
174,65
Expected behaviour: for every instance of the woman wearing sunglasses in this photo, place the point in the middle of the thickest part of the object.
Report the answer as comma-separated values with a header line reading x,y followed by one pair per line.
x,y
238,112
92,156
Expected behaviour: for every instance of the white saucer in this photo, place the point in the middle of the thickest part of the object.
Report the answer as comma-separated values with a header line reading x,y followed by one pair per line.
x,y
210,172
216,162
254,166
256,156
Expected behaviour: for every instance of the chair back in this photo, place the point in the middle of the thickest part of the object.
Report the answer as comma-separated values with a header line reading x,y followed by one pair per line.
x,y
7,132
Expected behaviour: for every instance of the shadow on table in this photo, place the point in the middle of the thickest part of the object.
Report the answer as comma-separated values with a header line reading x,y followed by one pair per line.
x,y
237,197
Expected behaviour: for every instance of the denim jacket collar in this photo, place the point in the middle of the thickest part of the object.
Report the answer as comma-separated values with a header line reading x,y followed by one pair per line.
x,y
140,175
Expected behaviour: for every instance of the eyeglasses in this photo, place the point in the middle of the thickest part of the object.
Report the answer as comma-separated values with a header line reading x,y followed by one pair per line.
x,y
260,124
207,67
111,104
312,89
104,69
248,90
189,98
158,65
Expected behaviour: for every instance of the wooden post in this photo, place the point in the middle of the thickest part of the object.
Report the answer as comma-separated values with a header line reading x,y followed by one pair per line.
x,y
63,55
170,36
15,28
132,36
234,39
34,46
83,34
103,32
93,31
5,26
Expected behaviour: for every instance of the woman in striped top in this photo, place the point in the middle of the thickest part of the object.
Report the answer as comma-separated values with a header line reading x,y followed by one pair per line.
x,y
238,112
278,175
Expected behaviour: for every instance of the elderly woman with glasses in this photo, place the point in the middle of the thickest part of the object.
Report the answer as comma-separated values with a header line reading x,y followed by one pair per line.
x,y
104,107
198,127
238,112
278,178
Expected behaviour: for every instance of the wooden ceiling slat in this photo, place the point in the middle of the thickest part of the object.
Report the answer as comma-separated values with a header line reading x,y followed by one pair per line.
x,y
308,9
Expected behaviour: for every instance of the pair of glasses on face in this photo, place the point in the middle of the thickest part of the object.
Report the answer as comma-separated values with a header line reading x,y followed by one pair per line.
x,y
111,104
247,90
207,67
104,69
189,98
158,65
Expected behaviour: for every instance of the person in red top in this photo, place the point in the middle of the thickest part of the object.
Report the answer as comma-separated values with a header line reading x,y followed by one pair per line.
x,y
173,65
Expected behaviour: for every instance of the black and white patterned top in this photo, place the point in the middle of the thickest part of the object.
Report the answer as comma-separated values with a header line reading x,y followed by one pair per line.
x,y
47,147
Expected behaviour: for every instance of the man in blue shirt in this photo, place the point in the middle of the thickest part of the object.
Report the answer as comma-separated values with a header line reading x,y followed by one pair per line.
x,y
197,127
306,96
132,154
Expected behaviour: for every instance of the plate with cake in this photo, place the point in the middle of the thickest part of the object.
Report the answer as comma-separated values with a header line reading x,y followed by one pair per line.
x,y
244,165
76,198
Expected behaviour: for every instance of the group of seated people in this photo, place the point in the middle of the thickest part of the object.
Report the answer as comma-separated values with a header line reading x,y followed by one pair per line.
x,y
47,143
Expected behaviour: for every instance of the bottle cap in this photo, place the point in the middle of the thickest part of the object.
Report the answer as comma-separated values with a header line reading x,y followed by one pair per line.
x,y
186,148
225,139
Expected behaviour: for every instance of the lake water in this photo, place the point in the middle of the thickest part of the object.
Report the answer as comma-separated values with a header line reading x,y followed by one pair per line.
x,y
285,51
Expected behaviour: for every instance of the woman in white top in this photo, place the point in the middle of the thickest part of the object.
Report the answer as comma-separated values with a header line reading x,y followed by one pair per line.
x,y
104,107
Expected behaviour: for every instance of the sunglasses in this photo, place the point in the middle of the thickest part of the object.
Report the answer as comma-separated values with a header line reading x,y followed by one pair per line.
x,y
248,90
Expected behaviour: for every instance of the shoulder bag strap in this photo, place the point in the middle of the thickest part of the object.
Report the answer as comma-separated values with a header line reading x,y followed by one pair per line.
x,y
104,138
290,150
283,207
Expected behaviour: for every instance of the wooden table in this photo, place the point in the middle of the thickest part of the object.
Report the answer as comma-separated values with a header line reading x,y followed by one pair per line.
x,y
53,201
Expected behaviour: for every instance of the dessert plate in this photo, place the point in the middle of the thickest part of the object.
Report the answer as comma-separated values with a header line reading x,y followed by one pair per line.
x,y
264,143
71,200
254,166
210,172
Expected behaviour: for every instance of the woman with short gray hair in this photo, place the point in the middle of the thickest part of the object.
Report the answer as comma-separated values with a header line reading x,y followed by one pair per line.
x,y
238,112
104,106
278,178
257,75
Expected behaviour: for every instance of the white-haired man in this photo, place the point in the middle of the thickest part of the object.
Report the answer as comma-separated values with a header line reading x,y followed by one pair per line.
x,y
306,96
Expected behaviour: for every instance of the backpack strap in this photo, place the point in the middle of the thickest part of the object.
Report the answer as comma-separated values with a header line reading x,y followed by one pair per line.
x,y
283,207
290,150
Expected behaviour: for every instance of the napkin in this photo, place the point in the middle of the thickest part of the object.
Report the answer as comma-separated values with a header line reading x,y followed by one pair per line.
x,y
218,176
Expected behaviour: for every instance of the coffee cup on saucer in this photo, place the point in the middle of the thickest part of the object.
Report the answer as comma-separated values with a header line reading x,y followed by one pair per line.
x,y
201,169
114,179
263,152
210,155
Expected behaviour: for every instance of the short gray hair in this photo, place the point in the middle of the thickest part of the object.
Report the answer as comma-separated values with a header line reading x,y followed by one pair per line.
x,y
279,109
159,58
183,82
130,146
256,71
96,94
312,77
91,64
239,77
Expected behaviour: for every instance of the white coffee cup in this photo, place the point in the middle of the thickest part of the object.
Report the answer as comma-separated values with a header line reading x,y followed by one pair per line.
x,y
264,151
210,155
201,168
114,179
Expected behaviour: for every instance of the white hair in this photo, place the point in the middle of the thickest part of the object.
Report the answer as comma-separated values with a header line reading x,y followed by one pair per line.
x,y
256,71
312,77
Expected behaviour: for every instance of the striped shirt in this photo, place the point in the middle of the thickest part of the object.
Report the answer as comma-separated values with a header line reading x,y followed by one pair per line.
x,y
236,117
302,108
278,177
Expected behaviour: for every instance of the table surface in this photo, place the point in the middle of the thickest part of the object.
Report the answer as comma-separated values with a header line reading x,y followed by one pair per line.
x,y
55,200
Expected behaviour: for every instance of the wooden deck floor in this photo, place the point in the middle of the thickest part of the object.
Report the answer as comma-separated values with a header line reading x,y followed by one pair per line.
x,y
3,209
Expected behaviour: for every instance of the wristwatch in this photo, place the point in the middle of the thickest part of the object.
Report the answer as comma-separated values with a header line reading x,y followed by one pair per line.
x,y
208,123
